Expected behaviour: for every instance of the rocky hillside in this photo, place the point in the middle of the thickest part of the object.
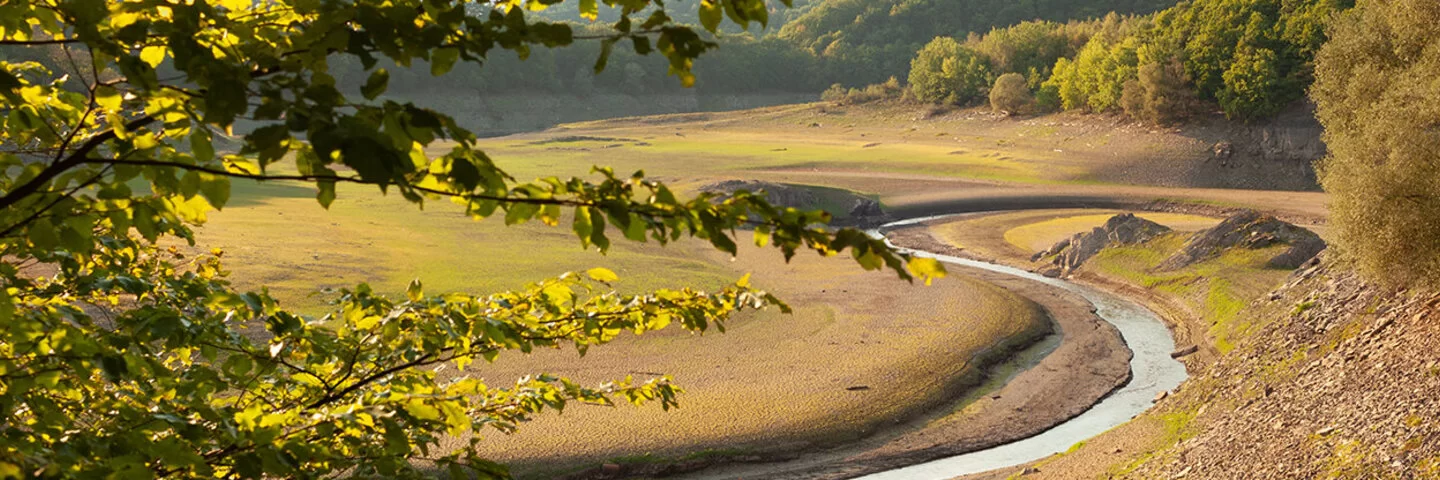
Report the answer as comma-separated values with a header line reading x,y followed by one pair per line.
x,y
1341,381
1336,378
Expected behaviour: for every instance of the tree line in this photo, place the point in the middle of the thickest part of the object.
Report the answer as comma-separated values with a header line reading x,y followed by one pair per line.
x,y
805,48
1246,58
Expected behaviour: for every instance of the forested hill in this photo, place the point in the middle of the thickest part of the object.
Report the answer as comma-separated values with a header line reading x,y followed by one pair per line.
x,y
683,11
875,39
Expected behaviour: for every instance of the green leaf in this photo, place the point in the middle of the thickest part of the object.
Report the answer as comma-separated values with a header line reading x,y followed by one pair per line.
x,y
589,9
42,234
215,189
152,55
606,46
517,213
710,14
375,85
601,274
326,193
190,184
442,60
583,225
108,98
200,145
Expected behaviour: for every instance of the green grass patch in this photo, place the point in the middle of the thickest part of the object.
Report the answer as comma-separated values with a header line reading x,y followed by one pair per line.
x,y
275,235
1217,289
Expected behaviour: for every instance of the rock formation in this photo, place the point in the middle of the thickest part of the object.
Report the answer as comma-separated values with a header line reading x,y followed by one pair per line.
x,y
1123,229
1251,230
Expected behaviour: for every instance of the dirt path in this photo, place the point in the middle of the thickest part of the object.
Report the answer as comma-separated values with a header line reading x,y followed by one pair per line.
x,y
914,195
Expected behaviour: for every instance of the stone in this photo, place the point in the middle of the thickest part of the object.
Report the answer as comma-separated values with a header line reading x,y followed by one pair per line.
x,y
866,207
1183,351
1123,229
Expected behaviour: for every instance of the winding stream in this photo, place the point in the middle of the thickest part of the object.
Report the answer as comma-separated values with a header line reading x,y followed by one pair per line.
x,y
1151,367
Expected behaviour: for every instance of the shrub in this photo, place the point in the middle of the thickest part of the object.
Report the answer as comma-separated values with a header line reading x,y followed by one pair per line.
x,y
881,91
1010,93
1375,91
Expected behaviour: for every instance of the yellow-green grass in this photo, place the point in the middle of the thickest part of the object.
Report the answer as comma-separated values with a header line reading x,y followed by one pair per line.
x,y
277,236
734,153
1041,235
1217,289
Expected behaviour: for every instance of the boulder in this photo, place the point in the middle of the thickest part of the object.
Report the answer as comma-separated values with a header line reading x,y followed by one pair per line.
x,y
1250,230
1123,229
866,207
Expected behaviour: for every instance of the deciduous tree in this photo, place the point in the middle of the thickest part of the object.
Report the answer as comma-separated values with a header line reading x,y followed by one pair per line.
x,y
121,359
1375,90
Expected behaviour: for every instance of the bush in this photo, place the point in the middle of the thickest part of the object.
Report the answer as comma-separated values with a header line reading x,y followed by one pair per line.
x,y
945,71
1375,91
1010,94
881,91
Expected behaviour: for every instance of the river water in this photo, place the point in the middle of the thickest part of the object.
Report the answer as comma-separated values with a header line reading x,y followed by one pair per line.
x,y
1152,371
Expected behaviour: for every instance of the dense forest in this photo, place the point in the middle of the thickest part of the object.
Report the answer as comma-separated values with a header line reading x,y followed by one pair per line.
x,y
1247,58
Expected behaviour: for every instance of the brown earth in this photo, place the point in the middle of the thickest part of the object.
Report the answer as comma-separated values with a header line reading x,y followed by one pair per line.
x,y
1339,381
861,352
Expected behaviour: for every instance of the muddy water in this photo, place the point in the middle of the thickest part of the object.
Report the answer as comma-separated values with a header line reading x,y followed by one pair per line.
x,y
1152,370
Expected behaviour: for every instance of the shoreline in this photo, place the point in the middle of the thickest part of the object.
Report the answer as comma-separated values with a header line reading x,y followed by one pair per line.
x,y
1086,362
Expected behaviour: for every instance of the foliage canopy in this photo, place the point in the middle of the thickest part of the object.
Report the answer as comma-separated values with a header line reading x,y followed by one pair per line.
x,y
1375,91
123,359
945,71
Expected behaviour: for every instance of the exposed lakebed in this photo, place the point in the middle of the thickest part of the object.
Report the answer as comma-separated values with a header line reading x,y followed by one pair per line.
x,y
1152,370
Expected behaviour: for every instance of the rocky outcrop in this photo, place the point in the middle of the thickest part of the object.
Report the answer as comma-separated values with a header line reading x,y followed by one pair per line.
x,y
1123,229
858,210
777,193
1251,230
865,207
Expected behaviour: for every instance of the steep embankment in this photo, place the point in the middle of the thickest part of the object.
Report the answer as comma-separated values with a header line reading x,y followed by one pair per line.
x,y
1318,375
1337,379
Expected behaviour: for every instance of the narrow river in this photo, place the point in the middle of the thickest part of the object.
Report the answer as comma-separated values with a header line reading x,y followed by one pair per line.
x,y
1151,367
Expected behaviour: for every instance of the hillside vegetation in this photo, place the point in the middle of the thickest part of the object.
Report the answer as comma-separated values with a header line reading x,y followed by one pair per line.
x,y
1247,58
